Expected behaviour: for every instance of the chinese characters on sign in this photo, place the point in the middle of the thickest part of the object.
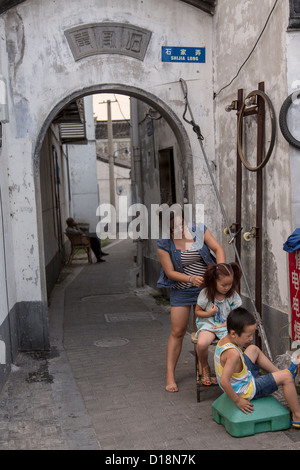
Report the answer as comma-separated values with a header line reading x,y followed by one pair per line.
x,y
108,38
294,270
183,54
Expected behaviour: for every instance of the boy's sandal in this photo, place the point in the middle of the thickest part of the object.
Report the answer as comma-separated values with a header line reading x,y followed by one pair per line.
x,y
214,380
293,369
295,424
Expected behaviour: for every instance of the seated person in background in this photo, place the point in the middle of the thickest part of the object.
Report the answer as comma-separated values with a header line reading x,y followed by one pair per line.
x,y
72,227
238,371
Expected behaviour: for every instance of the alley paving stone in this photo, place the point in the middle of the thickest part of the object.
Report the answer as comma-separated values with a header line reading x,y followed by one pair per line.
x,y
101,387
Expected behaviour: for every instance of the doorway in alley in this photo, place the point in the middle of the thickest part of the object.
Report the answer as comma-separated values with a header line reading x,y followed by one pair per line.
x,y
167,176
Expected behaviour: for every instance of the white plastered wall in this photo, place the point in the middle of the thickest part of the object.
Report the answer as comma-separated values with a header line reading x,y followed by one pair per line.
x,y
42,73
237,26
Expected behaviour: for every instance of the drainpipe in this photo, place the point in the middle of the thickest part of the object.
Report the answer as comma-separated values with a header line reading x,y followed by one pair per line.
x,y
137,182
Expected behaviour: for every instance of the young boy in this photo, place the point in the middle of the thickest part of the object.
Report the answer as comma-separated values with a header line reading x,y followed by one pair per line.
x,y
237,372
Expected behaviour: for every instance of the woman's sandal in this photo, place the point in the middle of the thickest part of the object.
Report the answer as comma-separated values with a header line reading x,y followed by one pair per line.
x,y
205,379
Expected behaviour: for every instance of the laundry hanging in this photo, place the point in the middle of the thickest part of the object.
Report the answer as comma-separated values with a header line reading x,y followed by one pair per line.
x,y
293,242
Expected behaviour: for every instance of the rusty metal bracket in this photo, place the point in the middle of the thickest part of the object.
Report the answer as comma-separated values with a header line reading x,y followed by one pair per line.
x,y
255,104
196,129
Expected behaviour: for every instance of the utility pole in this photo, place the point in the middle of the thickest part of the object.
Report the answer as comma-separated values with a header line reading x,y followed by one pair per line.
x,y
137,182
112,192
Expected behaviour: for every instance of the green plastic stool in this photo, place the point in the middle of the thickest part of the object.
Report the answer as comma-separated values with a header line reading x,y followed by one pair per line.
x,y
268,415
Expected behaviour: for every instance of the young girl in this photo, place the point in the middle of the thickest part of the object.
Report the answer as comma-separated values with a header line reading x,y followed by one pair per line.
x,y
215,302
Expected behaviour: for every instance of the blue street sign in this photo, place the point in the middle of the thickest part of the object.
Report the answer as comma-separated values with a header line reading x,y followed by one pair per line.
x,y
183,54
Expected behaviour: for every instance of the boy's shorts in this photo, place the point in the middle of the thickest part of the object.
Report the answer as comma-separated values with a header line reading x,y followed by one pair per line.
x,y
265,384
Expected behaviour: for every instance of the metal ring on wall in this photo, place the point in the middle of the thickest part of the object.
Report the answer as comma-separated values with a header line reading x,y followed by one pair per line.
x,y
283,119
273,131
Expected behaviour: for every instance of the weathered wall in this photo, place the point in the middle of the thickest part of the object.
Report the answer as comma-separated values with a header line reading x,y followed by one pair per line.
x,y
8,306
154,136
42,76
237,26
122,170
54,202
122,180
293,83
68,187
83,174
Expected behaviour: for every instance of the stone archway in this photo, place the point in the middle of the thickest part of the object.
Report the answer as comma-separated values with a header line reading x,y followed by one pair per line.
x,y
43,76
172,119
140,94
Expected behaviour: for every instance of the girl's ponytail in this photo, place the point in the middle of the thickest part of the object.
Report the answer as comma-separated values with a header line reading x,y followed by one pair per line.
x,y
237,274
210,281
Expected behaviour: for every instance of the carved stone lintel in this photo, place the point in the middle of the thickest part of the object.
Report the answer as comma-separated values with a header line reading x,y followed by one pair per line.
x,y
294,23
108,38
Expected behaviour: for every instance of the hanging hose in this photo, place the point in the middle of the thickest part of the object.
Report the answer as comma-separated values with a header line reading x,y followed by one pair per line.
x,y
271,110
197,130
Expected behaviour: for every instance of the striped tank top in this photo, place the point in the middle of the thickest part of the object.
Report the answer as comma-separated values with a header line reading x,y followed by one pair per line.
x,y
193,265
242,382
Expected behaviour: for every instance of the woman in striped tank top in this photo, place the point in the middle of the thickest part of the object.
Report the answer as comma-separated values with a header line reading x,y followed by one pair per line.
x,y
184,257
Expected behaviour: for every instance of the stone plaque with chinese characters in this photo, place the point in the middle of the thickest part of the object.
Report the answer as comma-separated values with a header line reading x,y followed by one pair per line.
x,y
108,38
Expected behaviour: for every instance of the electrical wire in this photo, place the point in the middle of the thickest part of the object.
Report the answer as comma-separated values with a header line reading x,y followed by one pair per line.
x,y
251,52
125,119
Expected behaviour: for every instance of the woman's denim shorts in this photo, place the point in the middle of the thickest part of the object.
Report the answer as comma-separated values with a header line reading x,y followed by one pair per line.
x,y
183,297
265,384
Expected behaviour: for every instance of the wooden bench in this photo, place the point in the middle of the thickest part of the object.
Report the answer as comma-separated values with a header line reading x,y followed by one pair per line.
x,y
199,385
